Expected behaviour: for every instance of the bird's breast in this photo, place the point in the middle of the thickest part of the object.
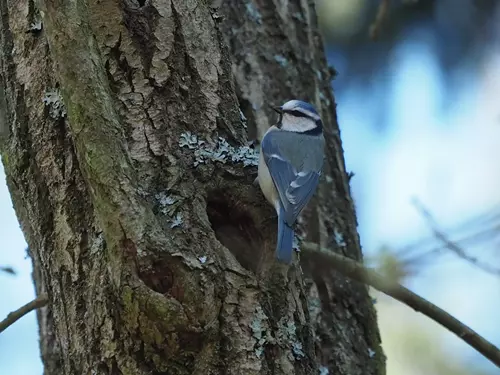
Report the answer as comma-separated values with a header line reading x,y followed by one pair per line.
x,y
266,183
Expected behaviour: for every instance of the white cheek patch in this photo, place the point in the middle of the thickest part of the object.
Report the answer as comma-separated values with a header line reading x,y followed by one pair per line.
x,y
303,174
297,124
294,184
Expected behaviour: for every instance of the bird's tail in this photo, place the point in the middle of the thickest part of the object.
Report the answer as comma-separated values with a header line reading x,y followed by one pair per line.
x,y
284,247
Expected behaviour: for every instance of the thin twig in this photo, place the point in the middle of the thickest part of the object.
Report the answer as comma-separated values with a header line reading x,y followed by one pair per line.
x,y
38,302
450,245
358,272
382,11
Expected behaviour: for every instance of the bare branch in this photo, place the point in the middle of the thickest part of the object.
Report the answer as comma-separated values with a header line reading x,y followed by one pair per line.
x,y
450,245
358,272
382,11
38,302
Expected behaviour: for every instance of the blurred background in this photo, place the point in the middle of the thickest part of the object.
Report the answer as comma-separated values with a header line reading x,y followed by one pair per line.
x,y
418,103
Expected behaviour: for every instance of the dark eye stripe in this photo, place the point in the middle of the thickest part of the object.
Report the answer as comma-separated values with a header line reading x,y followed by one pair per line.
x,y
298,114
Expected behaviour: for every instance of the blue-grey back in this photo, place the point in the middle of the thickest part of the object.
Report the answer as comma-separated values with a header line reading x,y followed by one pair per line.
x,y
304,152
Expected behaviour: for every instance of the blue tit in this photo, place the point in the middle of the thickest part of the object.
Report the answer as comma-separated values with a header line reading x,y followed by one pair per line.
x,y
291,160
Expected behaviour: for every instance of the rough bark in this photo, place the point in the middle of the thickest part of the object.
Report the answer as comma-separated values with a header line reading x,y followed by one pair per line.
x,y
153,265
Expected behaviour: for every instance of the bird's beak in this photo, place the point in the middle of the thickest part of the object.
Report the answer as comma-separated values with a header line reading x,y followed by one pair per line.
x,y
278,109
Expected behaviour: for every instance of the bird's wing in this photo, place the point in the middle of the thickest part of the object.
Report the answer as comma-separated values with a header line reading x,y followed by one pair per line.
x,y
295,187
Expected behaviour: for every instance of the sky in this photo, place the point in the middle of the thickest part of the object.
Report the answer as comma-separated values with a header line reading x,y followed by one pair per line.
x,y
446,155
19,351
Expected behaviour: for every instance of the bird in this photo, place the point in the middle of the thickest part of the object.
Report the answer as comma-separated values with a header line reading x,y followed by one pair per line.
x,y
290,166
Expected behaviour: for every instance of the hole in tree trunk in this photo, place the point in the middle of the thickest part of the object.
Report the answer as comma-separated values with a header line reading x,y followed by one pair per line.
x,y
236,229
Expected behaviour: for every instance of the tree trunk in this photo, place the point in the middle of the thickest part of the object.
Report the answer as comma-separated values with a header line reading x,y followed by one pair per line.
x,y
121,138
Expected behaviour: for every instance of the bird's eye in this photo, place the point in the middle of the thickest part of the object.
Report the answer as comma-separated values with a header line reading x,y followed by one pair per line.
x,y
298,114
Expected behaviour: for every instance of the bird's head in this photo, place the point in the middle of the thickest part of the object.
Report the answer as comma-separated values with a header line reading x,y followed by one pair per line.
x,y
300,117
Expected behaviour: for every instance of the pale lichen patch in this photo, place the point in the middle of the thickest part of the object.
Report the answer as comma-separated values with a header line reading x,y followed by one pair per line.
x,y
286,336
260,329
221,151
54,100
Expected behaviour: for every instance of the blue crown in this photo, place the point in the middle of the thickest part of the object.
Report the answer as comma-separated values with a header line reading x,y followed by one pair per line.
x,y
307,106
299,104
